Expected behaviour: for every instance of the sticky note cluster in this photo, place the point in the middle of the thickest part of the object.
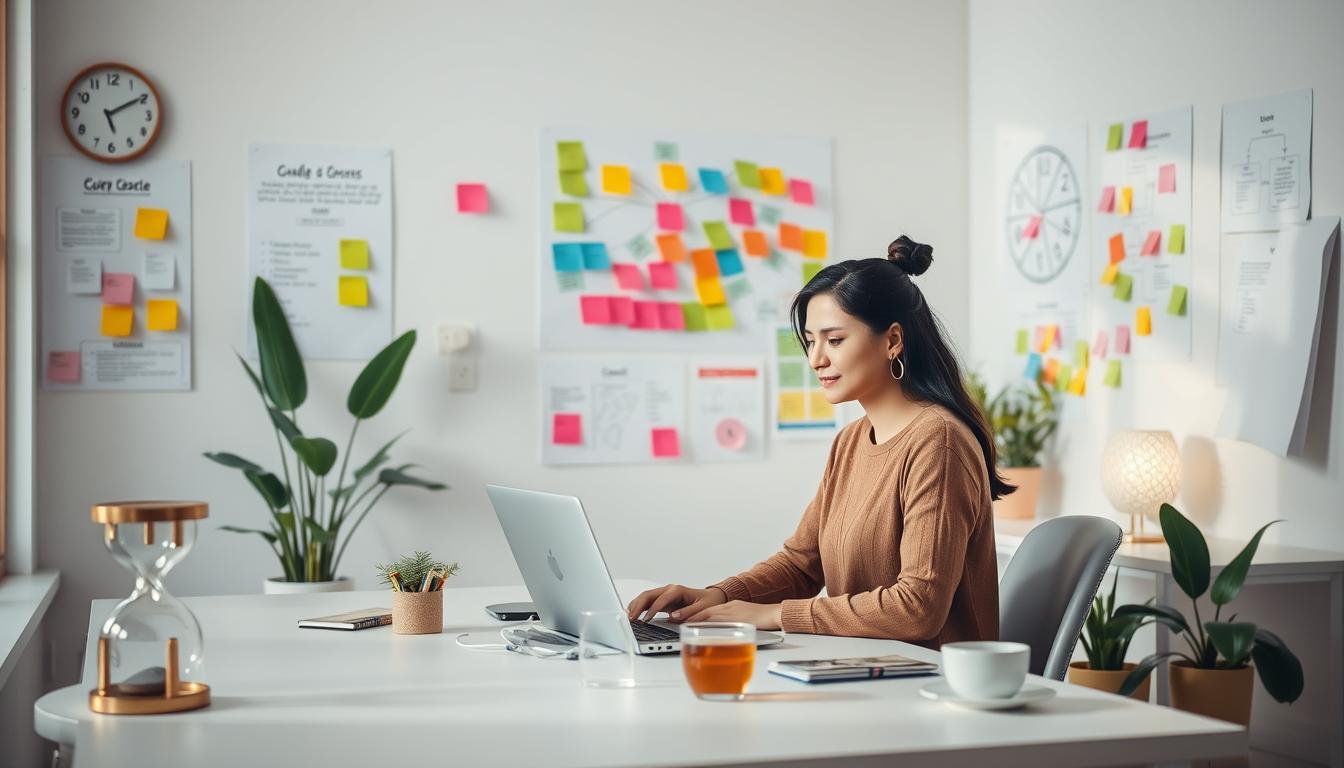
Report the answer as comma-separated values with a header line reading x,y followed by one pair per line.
x,y
576,257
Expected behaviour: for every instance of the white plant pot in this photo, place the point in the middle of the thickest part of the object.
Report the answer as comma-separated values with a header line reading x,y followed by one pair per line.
x,y
276,585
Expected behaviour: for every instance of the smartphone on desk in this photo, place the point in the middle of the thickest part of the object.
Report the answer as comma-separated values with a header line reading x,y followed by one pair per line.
x,y
512,611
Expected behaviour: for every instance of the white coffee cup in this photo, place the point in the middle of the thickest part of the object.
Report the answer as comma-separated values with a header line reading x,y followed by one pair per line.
x,y
987,669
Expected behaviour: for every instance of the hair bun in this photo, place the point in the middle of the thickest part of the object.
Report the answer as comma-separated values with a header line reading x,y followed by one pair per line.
x,y
913,258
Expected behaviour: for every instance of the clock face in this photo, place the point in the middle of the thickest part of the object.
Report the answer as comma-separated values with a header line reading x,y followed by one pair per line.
x,y
111,112
1044,209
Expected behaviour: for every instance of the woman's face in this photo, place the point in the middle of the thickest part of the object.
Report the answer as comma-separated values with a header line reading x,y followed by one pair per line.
x,y
852,362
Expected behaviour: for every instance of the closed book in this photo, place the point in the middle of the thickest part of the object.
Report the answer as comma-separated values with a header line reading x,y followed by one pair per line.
x,y
360,619
857,668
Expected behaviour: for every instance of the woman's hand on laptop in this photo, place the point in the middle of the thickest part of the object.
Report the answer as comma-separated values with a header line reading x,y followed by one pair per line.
x,y
763,616
675,599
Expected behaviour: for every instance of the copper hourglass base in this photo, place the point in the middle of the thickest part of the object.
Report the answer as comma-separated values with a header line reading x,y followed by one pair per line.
x,y
115,701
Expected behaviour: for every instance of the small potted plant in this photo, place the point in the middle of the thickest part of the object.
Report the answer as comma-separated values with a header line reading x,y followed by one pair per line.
x,y
417,592
1023,419
1106,641
1214,678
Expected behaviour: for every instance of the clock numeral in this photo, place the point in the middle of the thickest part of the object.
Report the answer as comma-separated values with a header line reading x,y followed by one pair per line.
x,y
95,141
144,131
144,98
81,129
129,143
149,115
131,80
83,97
93,83
111,148
74,112
113,78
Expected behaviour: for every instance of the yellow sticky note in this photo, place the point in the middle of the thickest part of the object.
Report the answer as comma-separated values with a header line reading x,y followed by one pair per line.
x,y
673,176
1143,322
162,315
1078,384
710,291
354,254
1108,277
818,407
354,291
814,243
772,181
616,179
1126,203
117,320
151,223
791,407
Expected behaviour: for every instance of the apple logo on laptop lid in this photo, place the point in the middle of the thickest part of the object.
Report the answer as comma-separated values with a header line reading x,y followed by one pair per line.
x,y
555,565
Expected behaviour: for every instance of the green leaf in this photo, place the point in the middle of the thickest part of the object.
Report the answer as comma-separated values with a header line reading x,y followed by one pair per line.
x,y
341,493
282,422
1233,639
1142,670
374,386
285,519
319,534
1189,552
282,372
251,374
1229,582
1165,615
233,461
376,461
1280,671
271,537
317,453
399,477
269,486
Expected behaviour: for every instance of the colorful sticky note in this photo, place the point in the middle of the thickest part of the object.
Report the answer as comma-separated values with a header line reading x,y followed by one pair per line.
x,y
595,310
1122,339
671,248
595,256
1033,228
673,176
729,262
646,316
472,198
568,257
810,270
790,374
786,344
706,263
662,276
1080,353
1113,374
569,282
772,181
1124,286
1117,247
670,216
118,288
1051,371
818,407
710,291
569,156
352,291
161,315
1022,341
1107,204
1115,136
717,234
1143,322
1099,347
791,407
1138,135
1033,369
1152,243
567,429
1078,384
1176,240
665,150
1126,204
354,254
622,310
63,366
670,317
814,243
1109,274
1176,304
791,237
719,317
740,212
754,243
1166,179
1048,338
628,277
117,320
639,246
568,217
151,223
713,181
748,175
573,183
616,180
693,316
801,191
768,214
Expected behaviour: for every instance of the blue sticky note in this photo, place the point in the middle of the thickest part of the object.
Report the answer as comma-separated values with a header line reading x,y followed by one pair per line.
x,y
568,257
1033,371
595,256
713,181
729,262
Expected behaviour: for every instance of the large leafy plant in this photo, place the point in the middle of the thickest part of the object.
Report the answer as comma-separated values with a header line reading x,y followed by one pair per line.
x,y
308,518
1023,420
1214,644
1106,636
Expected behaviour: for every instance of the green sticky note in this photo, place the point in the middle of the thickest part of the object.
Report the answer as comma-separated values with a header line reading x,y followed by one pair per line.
x,y
1022,340
573,183
717,234
768,214
1124,286
1112,374
737,289
568,217
1176,304
639,246
1116,137
791,375
666,151
786,344
1080,353
568,282
748,174
810,270
1176,240
720,317
569,156
354,254
693,316
1062,377
775,260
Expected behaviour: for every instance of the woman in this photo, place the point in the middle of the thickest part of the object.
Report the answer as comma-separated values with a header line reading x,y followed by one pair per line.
x,y
900,532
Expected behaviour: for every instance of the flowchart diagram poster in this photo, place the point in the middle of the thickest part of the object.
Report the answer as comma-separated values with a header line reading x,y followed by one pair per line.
x,y
1267,162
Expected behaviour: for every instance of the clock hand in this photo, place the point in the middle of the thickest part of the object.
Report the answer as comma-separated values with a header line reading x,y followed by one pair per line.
x,y
109,121
136,100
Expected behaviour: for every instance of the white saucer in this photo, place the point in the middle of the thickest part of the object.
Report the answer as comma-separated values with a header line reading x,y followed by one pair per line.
x,y
1029,694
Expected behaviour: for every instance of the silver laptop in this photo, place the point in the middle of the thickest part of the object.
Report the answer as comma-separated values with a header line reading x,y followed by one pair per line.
x,y
564,570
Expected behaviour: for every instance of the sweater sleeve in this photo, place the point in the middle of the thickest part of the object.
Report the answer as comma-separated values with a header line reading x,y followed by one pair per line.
x,y
939,504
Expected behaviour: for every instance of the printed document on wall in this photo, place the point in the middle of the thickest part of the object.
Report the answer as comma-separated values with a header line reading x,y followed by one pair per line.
x,y
612,410
319,230
1267,162
727,409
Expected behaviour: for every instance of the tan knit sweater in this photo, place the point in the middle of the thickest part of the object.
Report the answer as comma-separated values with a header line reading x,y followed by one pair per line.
x,y
900,534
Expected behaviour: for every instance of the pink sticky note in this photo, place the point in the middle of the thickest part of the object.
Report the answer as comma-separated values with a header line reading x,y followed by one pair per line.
x,y
622,310
1138,135
1099,347
1166,178
669,217
595,310
472,198
666,443
1107,204
63,367
1150,245
118,288
628,276
801,191
740,212
646,315
663,276
567,429
1033,228
670,316
1122,339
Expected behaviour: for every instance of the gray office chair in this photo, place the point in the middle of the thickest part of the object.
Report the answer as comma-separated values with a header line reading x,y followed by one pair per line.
x,y
1047,590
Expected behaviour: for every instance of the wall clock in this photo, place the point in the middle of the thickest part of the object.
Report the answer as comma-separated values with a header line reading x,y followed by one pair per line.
x,y
111,112
1041,219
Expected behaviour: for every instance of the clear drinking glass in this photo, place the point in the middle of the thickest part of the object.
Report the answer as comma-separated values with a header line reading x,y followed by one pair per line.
x,y
606,649
718,658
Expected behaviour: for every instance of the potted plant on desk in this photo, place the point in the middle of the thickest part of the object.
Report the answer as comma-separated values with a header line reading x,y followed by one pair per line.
x,y
307,517
1023,420
1215,677
1106,638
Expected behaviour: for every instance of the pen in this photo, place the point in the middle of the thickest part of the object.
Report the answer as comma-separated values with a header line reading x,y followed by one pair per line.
x,y
424,582
395,578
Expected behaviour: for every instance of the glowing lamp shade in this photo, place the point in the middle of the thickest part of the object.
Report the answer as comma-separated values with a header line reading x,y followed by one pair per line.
x,y
1140,471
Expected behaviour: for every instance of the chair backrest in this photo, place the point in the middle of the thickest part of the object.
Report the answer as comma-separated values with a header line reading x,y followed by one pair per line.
x,y
1047,589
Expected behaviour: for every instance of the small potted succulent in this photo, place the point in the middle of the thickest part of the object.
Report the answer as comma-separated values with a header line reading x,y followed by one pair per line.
x,y
1106,639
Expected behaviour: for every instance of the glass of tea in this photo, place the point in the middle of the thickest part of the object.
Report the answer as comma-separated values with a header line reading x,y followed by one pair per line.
x,y
718,658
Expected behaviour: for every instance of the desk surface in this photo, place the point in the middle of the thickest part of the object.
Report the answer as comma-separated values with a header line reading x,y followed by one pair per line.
x,y
282,695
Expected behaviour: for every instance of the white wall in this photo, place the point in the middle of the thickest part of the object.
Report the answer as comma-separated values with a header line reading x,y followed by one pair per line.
x,y
459,90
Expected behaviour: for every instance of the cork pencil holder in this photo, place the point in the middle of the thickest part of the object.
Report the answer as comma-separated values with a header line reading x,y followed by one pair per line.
x,y
417,613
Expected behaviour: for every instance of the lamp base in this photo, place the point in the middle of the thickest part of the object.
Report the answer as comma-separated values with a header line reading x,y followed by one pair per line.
x,y
1144,538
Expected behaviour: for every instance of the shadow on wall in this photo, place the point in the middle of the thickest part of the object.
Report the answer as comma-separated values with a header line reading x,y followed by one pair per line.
x,y
1316,450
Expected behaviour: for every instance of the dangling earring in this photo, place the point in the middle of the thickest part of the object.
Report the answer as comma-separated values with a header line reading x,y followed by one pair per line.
x,y
895,360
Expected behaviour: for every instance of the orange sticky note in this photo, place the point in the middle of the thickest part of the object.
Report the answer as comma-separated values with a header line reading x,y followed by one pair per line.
x,y
1117,248
117,320
616,179
353,291
151,223
1126,201
706,263
1143,322
671,248
772,182
162,315
673,176
814,243
753,241
710,291
791,237
1051,370
1108,276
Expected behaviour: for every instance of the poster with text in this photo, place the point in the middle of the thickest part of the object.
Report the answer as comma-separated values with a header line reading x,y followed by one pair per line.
x,y
612,410
1266,165
727,412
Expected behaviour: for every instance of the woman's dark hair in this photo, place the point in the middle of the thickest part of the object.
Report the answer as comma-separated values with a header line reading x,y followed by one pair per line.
x,y
879,292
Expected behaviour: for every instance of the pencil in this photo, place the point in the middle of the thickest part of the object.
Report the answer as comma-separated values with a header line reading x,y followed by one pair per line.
x,y
395,578
424,581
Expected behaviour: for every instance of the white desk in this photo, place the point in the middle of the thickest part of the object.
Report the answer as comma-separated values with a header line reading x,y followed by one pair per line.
x,y
285,696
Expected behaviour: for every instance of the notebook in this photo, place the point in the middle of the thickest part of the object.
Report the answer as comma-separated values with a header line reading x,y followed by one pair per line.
x,y
360,619
857,668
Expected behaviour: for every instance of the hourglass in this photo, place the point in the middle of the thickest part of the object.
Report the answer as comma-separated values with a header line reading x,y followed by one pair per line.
x,y
150,650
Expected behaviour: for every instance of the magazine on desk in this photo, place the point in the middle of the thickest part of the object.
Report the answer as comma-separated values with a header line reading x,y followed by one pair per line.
x,y
856,668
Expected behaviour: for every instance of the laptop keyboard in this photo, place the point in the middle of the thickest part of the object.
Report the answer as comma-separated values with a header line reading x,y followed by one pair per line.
x,y
653,632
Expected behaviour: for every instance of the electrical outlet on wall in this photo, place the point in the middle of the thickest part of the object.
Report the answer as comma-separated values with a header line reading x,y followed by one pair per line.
x,y
458,344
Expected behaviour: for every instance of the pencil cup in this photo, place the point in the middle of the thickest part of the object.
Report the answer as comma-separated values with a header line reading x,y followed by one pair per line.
x,y
417,613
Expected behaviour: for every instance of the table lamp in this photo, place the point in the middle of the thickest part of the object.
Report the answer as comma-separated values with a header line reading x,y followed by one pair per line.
x,y
1140,471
